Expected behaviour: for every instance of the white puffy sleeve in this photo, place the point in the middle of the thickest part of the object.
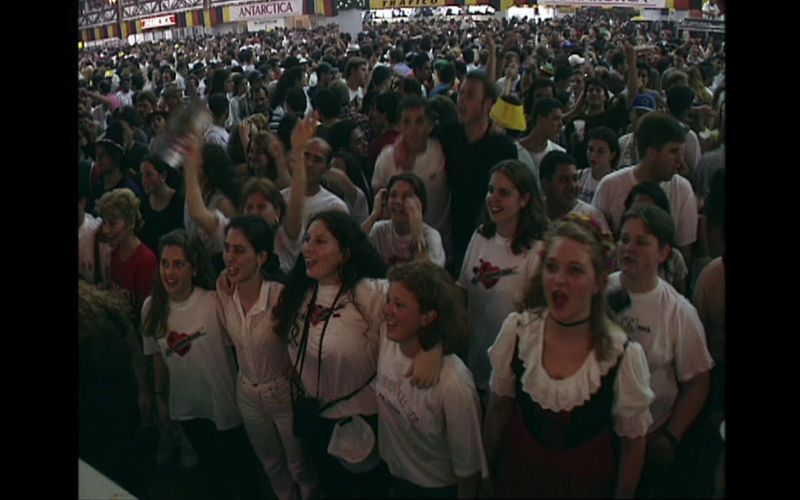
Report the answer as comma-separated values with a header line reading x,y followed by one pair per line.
x,y
502,380
632,394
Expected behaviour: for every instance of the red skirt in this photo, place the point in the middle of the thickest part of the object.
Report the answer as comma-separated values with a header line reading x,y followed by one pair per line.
x,y
526,469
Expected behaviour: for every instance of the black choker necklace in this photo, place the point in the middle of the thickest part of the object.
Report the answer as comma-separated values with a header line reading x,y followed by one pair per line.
x,y
574,323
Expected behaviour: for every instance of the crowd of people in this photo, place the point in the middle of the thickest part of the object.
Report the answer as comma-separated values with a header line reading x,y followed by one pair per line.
x,y
446,257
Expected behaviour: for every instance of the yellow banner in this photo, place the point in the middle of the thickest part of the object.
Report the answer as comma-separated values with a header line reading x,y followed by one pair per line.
x,y
405,4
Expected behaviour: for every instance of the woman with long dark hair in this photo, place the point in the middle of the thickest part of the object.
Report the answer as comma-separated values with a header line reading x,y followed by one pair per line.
x,y
329,314
263,389
194,365
501,257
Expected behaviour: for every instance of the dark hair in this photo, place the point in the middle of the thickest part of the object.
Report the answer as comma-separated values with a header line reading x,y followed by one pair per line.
x,y
129,115
532,221
327,102
414,180
563,72
658,222
608,136
288,79
137,81
396,55
490,91
602,249
618,58
353,64
411,86
218,79
218,170
297,100
656,130
261,237
447,73
537,84
679,100
388,104
235,148
444,109
218,104
419,61
551,161
434,290
340,135
361,261
597,83
546,106
146,96
268,190
154,323
651,189
172,176
285,128
380,75
414,102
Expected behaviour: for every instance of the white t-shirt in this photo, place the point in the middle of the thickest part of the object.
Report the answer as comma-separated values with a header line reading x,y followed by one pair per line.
x,y
501,84
126,99
583,208
537,157
669,329
525,157
587,185
396,248
320,202
217,135
86,233
262,355
350,347
494,279
610,196
201,365
430,167
429,437
632,392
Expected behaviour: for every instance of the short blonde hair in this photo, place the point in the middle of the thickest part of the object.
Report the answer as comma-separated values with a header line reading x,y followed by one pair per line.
x,y
120,204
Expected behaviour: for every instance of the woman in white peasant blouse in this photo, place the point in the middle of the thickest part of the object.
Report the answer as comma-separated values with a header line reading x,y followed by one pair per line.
x,y
570,395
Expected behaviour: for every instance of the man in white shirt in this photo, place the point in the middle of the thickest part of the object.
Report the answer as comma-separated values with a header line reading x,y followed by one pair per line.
x,y
216,133
558,175
355,74
547,125
659,141
315,157
125,93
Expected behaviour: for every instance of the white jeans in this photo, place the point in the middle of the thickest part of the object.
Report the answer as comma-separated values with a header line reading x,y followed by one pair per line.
x,y
267,416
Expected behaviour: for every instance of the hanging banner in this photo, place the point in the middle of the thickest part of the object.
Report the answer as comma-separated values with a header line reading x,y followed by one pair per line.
x,y
638,4
158,22
406,4
266,10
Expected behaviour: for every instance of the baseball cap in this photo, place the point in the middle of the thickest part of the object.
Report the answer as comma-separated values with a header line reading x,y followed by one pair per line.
x,y
644,102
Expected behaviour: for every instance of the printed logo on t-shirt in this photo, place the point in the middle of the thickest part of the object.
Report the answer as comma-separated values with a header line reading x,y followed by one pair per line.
x,y
180,343
488,274
632,326
391,392
321,313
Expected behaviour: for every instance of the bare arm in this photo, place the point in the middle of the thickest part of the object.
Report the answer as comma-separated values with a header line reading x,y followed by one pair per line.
x,y
377,212
303,131
198,211
631,463
633,77
692,397
491,63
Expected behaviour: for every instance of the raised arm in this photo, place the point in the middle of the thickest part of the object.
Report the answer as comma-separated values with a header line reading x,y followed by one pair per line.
x,y
377,211
303,132
198,211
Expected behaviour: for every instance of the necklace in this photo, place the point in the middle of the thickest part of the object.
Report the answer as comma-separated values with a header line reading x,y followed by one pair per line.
x,y
574,323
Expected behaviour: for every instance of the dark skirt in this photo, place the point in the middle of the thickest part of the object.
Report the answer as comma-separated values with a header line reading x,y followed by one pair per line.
x,y
527,469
